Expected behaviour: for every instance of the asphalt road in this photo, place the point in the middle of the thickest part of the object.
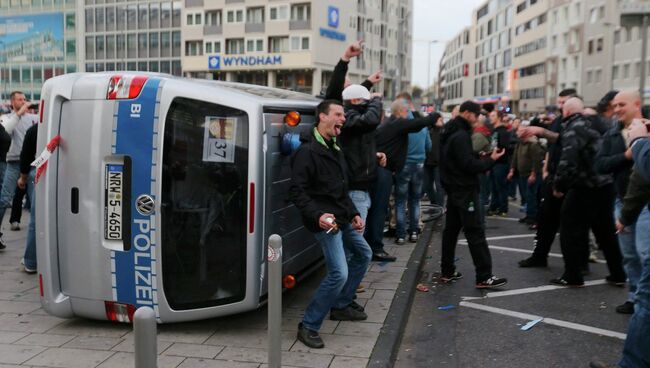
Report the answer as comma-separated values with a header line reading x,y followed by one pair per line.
x,y
579,325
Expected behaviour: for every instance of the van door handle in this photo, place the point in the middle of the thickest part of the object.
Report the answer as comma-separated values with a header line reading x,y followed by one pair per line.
x,y
74,200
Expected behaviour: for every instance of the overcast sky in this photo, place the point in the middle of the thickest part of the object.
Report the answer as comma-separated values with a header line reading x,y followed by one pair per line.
x,y
436,20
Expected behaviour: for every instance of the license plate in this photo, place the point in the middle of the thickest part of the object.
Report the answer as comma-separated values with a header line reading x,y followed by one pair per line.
x,y
113,202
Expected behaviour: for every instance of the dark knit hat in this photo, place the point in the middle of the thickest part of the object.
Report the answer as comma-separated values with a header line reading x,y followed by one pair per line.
x,y
471,107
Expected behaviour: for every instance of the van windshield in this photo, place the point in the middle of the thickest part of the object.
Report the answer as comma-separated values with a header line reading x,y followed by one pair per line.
x,y
204,202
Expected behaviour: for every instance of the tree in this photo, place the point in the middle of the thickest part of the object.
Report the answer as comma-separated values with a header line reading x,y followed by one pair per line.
x,y
416,92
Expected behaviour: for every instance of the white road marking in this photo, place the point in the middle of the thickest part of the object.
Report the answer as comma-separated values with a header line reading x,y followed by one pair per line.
x,y
556,255
549,321
535,289
502,218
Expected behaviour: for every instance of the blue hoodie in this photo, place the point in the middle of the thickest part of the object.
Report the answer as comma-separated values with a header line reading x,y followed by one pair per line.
x,y
419,145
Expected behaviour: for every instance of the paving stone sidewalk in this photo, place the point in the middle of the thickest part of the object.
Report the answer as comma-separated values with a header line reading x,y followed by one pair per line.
x,y
29,337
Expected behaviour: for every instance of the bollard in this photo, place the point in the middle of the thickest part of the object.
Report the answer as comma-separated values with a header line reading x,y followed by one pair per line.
x,y
275,300
144,329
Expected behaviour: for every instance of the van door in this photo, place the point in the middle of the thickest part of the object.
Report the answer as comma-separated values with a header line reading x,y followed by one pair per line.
x,y
204,204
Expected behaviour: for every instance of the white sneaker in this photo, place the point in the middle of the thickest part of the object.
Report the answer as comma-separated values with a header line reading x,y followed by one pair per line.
x,y
27,269
15,226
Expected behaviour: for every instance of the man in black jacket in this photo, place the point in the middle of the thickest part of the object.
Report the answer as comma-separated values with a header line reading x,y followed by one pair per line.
x,y
459,169
588,199
363,113
319,189
392,139
612,159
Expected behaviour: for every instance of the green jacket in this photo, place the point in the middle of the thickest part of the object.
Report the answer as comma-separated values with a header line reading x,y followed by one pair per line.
x,y
480,143
528,158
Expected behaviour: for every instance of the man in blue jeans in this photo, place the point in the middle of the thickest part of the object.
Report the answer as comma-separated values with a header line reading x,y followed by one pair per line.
x,y
614,158
319,189
26,182
409,185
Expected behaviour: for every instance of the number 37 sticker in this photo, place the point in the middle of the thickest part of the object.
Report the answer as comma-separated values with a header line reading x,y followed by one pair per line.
x,y
219,139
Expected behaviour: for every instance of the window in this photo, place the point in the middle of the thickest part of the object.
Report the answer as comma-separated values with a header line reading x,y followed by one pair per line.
x,y
628,34
213,18
255,15
301,12
279,44
637,69
626,71
235,46
590,47
208,47
255,45
193,48
615,71
598,74
154,15
190,19
589,77
197,19
299,43
599,45
279,12
235,16
217,47
617,36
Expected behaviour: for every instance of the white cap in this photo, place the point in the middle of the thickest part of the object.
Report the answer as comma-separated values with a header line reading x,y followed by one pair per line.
x,y
355,91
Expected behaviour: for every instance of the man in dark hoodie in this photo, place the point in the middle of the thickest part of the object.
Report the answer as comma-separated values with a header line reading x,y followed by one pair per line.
x,y
319,189
459,169
392,139
363,113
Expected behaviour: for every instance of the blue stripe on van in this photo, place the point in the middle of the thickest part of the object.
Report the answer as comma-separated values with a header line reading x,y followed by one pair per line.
x,y
135,280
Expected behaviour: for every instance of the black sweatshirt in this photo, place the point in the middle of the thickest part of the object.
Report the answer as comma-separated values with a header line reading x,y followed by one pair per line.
x,y
28,153
393,138
5,143
459,165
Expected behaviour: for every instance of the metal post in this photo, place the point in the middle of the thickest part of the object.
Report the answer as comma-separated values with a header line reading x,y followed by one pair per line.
x,y
644,48
275,300
144,329
429,72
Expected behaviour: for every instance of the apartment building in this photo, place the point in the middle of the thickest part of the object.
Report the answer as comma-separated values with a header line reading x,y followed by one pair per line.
x,y
39,39
140,35
493,34
457,78
565,47
296,44
530,53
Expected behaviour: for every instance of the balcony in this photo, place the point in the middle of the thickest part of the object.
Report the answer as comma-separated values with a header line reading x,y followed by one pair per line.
x,y
212,30
297,25
361,7
193,3
254,27
234,1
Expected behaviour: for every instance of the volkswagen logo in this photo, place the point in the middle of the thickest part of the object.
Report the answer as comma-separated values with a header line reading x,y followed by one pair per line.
x,y
145,205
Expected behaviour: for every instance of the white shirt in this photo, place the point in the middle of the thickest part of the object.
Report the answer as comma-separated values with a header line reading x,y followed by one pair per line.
x,y
16,126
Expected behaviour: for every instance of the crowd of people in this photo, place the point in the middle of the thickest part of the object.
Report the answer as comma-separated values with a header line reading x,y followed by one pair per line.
x,y
578,170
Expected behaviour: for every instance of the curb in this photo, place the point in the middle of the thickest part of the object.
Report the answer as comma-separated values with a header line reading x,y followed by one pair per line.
x,y
385,350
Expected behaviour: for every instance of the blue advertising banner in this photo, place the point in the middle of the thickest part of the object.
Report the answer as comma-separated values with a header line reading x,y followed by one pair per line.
x,y
34,37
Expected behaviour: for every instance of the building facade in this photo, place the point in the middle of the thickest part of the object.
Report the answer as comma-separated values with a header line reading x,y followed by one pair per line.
x,y
530,54
565,47
457,71
39,39
493,35
296,44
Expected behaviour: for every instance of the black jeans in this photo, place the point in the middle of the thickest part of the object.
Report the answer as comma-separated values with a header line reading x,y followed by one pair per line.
x,y
17,205
584,209
548,220
464,212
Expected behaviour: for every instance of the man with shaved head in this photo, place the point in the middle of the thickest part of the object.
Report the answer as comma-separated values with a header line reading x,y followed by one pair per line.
x,y
613,159
588,199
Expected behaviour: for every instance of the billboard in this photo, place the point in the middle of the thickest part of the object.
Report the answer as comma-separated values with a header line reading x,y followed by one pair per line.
x,y
34,37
